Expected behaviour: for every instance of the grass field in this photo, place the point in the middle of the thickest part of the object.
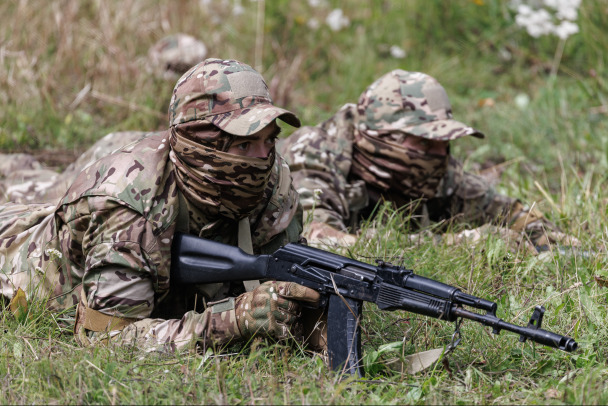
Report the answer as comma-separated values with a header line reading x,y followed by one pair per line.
x,y
542,104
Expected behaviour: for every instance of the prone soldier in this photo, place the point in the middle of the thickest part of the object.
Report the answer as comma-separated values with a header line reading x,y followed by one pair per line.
x,y
102,254
393,145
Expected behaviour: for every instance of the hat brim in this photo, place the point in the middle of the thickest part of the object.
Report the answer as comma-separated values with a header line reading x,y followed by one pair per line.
x,y
442,130
252,119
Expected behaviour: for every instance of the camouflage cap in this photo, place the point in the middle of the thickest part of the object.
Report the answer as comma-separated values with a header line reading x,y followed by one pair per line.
x,y
229,94
410,102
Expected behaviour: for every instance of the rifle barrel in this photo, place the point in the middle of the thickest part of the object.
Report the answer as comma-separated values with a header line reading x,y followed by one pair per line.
x,y
535,334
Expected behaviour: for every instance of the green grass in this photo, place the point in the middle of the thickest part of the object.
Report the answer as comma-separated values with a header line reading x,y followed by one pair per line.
x,y
554,152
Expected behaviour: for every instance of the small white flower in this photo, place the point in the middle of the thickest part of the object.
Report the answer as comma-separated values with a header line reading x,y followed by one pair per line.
x,y
397,52
337,20
316,3
546,17
52,252
565,29
313,24
238,10
522,100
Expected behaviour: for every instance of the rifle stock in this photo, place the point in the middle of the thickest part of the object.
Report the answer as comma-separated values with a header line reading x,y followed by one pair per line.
x,y
344,284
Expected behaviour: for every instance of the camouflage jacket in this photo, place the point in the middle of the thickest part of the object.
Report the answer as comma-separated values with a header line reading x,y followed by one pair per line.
x,y
25,180
320,160
111,234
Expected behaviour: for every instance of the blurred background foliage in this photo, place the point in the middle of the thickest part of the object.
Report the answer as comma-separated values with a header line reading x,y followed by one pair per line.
x,y
72,71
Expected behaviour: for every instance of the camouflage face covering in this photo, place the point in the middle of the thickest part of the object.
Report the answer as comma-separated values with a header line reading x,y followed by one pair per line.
x,y
382,162
217,182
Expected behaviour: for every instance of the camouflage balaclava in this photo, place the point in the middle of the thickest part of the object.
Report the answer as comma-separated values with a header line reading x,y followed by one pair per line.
x,y
214,102
398,105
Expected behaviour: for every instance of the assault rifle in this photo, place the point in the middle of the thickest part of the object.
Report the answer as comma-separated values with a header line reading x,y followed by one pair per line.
x,y
344,284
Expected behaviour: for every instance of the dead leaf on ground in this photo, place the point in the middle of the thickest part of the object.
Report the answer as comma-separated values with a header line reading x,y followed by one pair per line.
x,y
18,304
601,280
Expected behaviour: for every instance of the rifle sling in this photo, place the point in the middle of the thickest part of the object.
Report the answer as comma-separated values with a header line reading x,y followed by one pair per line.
x,y
246,245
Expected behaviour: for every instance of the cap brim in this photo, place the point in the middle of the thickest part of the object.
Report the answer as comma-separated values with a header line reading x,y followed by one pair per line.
x,y
251,120
442,130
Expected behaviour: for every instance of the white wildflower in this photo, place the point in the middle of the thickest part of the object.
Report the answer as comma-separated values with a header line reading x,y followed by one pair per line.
x,y
238,9
565,29
316,3
521,101
556,17
53,253
398,52
313,24
337,20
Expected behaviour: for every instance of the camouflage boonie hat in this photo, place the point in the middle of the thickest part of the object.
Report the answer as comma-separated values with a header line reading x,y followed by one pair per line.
x,y
173,55
229,94
410,102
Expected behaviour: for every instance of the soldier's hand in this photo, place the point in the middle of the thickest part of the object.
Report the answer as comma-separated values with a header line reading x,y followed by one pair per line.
x,y
514,241
554,237
322,235
272,309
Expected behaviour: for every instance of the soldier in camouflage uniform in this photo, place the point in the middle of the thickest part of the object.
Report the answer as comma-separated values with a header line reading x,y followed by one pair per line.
x,y
103,253
393,145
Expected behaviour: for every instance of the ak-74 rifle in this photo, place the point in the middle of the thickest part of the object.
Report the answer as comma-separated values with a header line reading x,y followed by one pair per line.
x,y
344,284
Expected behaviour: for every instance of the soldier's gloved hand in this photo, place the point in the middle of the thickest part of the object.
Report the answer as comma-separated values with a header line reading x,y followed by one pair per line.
x,y
272,309
515,241
322,235
553,237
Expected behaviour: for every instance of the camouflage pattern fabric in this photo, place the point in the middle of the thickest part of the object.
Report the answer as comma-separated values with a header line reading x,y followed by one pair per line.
x,y
171,56
272,309
229,94
112,234
381,161
411,102
25,180
217,182
321,161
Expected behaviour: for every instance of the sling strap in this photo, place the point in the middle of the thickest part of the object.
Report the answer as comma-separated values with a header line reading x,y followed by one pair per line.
x,y
246,245
93,320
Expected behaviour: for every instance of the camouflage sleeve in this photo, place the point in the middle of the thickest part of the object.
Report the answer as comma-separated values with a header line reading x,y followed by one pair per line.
x,y
125,293
474,201
319,166
166,335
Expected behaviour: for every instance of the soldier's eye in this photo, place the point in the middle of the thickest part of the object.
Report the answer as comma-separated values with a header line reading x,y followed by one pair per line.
x,y
243,146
